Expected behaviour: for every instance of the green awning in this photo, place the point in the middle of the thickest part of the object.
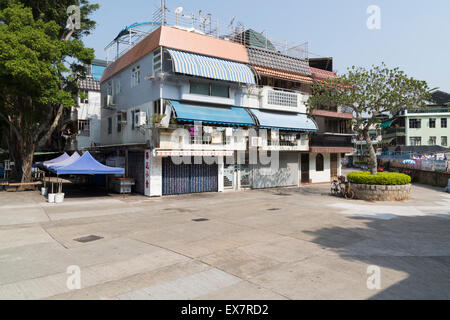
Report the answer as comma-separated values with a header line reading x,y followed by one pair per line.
x,y
386,124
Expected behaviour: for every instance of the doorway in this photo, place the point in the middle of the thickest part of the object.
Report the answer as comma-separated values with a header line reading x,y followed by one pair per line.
x,y
305,168
333,165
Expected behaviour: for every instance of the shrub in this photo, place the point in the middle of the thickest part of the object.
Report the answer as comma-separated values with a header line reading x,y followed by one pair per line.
x,y
382,178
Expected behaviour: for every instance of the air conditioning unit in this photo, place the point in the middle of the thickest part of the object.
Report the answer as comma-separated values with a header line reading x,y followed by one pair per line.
x,y
108,101
140,119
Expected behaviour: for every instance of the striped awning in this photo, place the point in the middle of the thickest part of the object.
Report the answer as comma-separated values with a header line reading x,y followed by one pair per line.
x,y
211,68
284,121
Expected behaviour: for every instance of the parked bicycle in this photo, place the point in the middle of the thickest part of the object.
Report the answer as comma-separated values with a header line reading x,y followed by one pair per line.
x,y
339,186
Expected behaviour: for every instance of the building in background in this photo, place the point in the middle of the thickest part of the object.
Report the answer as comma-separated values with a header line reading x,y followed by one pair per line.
x,y
83,129
420,127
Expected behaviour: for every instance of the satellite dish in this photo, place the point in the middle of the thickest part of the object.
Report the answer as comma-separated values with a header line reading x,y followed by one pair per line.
x,y
178,10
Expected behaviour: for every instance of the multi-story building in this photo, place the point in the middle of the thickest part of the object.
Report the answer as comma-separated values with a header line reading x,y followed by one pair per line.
x,y
181,94
83,130
420,127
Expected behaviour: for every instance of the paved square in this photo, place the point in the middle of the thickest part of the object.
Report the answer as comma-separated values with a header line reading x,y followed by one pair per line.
x,y
295,243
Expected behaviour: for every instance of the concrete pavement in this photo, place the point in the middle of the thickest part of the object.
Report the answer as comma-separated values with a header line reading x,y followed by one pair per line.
x,y
294,243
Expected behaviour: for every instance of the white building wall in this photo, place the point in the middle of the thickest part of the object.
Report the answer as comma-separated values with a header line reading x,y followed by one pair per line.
x,y
90,111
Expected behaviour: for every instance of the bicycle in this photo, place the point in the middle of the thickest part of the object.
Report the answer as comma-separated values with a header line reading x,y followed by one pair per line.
x,y
341,187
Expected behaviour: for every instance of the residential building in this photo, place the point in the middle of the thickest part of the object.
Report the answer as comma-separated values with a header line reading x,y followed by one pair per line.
x,y
420,127
83,130
179,94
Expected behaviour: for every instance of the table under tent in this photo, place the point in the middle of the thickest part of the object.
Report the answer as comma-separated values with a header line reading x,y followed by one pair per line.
x,y
78,165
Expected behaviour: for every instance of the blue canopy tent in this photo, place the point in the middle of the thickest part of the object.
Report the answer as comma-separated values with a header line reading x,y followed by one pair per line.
x,y
48,163
84,165
74,157
87,165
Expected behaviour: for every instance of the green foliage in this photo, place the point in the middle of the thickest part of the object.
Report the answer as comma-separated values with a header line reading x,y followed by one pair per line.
x,y
40,65
156,117
368,93
362,162
382,178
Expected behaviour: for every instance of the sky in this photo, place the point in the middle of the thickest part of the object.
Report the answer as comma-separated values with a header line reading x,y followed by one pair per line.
x,y
413,34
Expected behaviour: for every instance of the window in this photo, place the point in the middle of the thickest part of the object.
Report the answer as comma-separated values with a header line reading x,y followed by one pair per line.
x,y
119,122
132,119
84,97
109,88
210,89
319,162
432,141
136,118
157,107
84,128
415,123
444,123
218,90
432,123
444,141
200,88
157,64
117,91
109,125
135,76
415,141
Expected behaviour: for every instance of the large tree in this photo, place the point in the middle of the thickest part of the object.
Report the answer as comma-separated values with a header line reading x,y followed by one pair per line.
x,y
41,60
369,93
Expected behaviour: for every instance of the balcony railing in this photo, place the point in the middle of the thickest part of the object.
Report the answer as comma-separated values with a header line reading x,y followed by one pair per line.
x,y
330,140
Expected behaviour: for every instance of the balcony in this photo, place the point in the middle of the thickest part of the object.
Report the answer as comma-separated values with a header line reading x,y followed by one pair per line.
x,y
167,139
299,144
393,132
330,140
277,99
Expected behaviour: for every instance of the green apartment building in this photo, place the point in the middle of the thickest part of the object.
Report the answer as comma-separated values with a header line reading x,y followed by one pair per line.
x,y
420,127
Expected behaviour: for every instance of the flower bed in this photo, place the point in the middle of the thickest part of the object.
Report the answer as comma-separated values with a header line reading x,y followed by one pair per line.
x,y
384,186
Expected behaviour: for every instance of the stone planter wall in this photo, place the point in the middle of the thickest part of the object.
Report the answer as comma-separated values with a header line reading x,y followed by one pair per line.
x,y
381,193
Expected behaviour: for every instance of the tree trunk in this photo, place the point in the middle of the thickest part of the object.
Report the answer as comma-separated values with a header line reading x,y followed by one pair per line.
x,y
27,160
373,156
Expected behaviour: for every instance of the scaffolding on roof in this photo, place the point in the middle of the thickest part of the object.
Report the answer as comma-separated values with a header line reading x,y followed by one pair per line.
x,y
201,23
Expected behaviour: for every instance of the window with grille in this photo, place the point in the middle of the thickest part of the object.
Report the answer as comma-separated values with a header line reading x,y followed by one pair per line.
x,y
280,98
432,123
415,141
444,141
415,123
135,76
84,127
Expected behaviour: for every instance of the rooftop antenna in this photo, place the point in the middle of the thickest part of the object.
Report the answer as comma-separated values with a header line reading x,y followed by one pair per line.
x,y
178,11
163,12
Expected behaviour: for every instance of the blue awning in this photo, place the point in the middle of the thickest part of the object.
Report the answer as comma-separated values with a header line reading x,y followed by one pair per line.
x,y
212,68
87,165
209,114
284,121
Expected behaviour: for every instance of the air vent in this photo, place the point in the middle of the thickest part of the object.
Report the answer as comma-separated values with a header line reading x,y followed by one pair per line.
x,y
88,239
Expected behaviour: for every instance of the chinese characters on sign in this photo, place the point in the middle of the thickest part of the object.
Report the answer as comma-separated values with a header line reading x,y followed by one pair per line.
x,y
147,172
